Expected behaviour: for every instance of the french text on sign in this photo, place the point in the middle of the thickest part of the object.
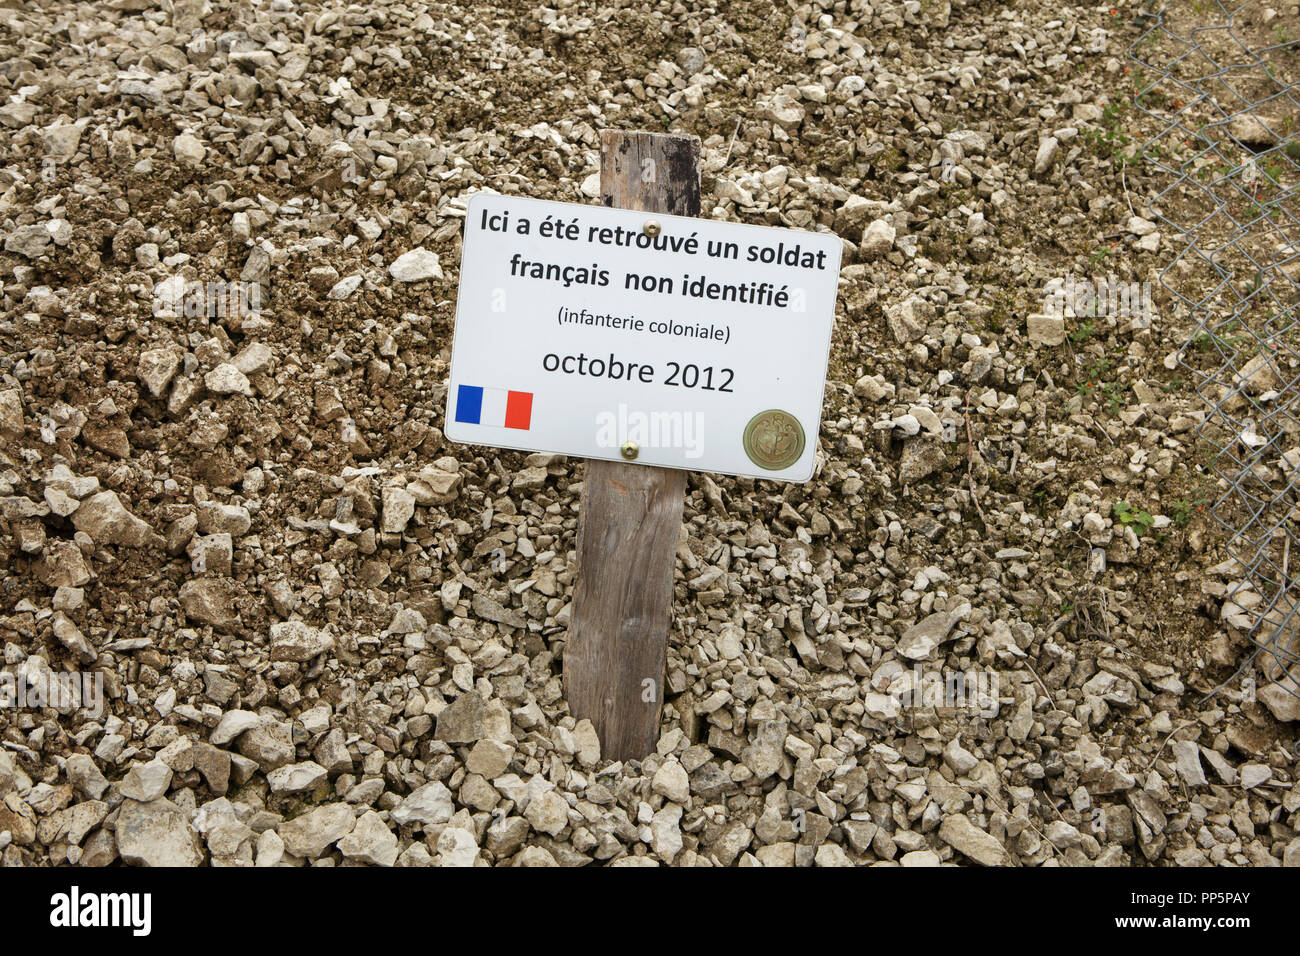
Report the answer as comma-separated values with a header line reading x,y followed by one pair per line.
x,y
568,313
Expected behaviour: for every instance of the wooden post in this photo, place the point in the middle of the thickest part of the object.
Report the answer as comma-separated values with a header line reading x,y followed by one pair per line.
x,y
630,514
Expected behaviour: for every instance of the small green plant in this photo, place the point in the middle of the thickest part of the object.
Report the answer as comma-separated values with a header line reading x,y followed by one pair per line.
x,y
1255,284
1140,520
1083,333
1112,397
1183,510
1222,338
1110,140
1096,385
1098,369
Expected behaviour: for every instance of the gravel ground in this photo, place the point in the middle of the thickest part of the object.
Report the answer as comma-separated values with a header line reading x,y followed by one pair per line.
x,y
325,636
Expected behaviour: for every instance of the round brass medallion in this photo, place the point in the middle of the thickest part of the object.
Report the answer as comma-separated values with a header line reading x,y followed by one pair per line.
x,y
774,439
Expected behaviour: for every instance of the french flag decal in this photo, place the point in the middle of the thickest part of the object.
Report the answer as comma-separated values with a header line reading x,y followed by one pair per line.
x,y
499,407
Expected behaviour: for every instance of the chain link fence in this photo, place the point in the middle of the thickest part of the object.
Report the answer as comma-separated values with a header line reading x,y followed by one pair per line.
x,y
1217,87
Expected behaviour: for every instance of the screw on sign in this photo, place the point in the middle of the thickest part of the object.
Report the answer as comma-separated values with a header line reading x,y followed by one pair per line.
x,y
647,346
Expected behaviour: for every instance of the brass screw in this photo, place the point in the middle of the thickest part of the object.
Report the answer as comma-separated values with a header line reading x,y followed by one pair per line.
x,y
651,228
630,450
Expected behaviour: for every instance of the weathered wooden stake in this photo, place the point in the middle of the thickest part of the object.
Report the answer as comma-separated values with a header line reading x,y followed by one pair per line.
x,y
630,514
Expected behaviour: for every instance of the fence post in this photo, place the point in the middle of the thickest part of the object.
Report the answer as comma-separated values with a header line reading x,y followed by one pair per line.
x,y
630,515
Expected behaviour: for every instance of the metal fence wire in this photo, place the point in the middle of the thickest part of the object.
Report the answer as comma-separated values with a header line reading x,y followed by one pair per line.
x,y
1217,85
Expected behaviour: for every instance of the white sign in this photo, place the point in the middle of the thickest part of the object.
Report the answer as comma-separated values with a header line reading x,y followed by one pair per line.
x,y
631,336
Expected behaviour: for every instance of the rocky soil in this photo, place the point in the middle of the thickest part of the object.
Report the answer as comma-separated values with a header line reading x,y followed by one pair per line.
x,y
230,240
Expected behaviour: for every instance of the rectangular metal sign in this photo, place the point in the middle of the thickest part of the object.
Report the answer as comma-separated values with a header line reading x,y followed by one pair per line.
x,y
660,340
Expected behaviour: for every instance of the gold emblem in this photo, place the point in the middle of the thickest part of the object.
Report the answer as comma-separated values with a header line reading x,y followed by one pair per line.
x,y
774,439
